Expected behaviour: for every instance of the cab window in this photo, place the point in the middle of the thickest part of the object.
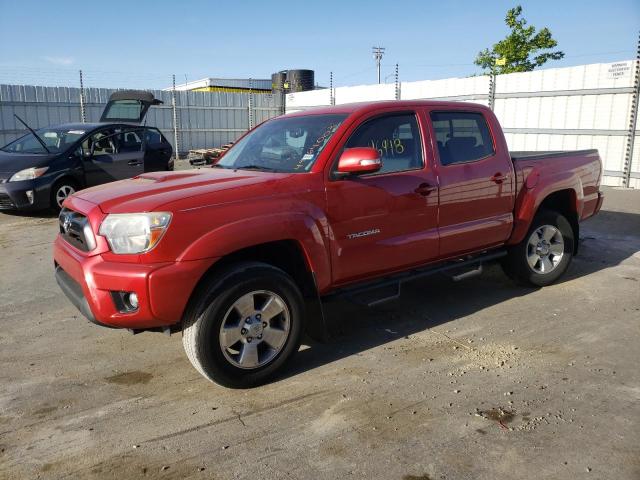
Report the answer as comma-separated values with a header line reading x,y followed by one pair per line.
x,y
462,137
397,139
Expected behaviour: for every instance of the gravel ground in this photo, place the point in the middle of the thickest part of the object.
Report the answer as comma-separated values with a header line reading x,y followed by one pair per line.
x,y
474,380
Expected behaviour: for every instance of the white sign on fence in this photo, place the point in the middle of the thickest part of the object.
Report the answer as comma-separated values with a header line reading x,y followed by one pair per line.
x,y
619,70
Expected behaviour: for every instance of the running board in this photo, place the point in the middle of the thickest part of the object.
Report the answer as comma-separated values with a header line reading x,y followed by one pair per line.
x,y
468,274
389,288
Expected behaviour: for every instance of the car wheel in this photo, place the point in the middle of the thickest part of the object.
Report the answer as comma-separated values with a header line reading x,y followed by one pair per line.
x,y
243,325
545,253
60,191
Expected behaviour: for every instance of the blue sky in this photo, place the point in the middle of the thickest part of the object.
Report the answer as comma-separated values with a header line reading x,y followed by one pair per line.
x,y
141,43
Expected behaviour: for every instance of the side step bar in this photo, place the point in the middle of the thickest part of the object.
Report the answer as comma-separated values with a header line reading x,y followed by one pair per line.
x,y
389,288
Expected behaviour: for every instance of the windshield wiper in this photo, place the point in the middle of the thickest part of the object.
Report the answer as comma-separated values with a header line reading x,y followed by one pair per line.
x,y
256,167
44,145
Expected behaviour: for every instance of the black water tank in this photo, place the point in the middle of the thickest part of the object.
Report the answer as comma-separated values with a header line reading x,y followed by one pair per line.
x,y
300,80
278,80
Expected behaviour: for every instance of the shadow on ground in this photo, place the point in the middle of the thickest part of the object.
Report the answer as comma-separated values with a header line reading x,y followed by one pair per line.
x,y
605,241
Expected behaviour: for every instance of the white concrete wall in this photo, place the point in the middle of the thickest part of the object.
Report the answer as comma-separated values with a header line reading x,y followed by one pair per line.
x,y
587,106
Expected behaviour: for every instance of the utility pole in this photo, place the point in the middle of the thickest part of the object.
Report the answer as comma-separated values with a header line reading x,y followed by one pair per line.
x,y
83,112
378,52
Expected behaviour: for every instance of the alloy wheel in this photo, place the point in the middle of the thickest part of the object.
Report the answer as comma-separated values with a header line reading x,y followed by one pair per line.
x,y
545,249
255,329
62,193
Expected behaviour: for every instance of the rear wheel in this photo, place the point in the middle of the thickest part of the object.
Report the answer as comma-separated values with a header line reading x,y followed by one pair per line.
x,y
61,190
545,253
244,325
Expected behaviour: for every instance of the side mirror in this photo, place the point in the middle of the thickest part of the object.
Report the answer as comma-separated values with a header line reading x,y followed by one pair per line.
x,y
359,160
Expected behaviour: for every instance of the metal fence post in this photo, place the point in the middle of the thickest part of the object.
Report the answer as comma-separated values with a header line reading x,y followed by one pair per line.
x,y
492,90
332,97
633,122
83,113
250,103
175,120
397,84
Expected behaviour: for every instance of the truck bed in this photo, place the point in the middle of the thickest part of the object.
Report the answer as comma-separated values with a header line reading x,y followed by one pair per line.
x,y
539,155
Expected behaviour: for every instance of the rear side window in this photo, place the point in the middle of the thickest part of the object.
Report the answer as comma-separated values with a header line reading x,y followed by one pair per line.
x,y
130,140
152,136
396,137
461,136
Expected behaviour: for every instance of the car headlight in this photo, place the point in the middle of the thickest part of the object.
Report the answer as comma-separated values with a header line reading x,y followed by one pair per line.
x,y
28,174
134,232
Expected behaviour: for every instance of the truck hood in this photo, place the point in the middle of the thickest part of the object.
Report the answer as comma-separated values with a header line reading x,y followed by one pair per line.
x,y
150,191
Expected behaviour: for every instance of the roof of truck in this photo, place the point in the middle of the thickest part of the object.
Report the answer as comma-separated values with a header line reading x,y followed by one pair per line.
x,y
367,106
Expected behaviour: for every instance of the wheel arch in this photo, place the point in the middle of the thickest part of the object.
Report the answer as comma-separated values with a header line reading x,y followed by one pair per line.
x,y
289,256
564,201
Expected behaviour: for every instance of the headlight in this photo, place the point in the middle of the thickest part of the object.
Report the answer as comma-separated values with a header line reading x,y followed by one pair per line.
x,y
134,232
28,174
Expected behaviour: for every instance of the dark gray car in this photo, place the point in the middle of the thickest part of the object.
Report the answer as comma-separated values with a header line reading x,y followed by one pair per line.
x,y
42,168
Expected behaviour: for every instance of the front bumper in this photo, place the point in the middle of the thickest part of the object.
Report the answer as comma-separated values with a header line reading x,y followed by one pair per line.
x,y
13,195
90,283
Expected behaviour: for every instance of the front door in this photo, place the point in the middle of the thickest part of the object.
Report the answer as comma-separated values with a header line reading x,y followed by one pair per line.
x,y
388,220
476,182
112,154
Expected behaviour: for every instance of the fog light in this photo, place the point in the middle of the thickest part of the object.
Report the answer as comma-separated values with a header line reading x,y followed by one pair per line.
x,y
132,300
29,194
125,302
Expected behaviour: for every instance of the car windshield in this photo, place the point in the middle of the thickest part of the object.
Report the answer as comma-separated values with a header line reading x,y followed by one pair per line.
x,y
57,140
283,145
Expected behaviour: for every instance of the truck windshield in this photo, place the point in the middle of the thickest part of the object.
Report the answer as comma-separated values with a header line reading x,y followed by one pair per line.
x,y
57,140
283,145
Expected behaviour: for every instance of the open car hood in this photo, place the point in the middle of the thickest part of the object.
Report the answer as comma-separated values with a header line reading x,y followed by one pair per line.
x,y
129,106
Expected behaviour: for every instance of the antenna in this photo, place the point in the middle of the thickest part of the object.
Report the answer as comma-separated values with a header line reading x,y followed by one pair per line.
x,y
378,52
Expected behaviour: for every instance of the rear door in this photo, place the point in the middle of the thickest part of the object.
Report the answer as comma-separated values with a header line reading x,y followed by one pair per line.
x,y
388,220
157,151
476,181
129,159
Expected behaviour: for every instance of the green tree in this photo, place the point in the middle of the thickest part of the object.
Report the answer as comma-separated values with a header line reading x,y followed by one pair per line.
x,y
522,50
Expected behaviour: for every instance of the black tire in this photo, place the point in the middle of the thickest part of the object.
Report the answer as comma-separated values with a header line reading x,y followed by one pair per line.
x,y
210,306
516,264
61,184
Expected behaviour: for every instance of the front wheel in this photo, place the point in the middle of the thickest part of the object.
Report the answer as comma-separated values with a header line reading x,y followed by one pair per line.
x,y
60,191
244,325
545,253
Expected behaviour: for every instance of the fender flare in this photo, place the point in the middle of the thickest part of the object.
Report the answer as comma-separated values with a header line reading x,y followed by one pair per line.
x,y
260,229
534,193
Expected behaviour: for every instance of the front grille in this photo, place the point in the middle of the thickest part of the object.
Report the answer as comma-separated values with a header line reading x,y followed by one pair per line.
x,y
75,229
5,201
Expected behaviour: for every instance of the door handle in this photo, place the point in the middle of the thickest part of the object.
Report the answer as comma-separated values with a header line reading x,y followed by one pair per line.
x,y
425,189
134,163
499,177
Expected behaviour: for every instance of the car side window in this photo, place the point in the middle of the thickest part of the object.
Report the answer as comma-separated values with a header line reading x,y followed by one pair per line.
x,y
462,136
130,140
103,143
152,136
396,137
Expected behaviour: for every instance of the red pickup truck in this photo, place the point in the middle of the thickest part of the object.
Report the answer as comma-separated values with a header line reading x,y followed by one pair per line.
x,y
349,200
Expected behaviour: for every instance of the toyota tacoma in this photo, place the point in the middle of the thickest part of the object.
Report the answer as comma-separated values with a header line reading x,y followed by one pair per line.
x,y
352,200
